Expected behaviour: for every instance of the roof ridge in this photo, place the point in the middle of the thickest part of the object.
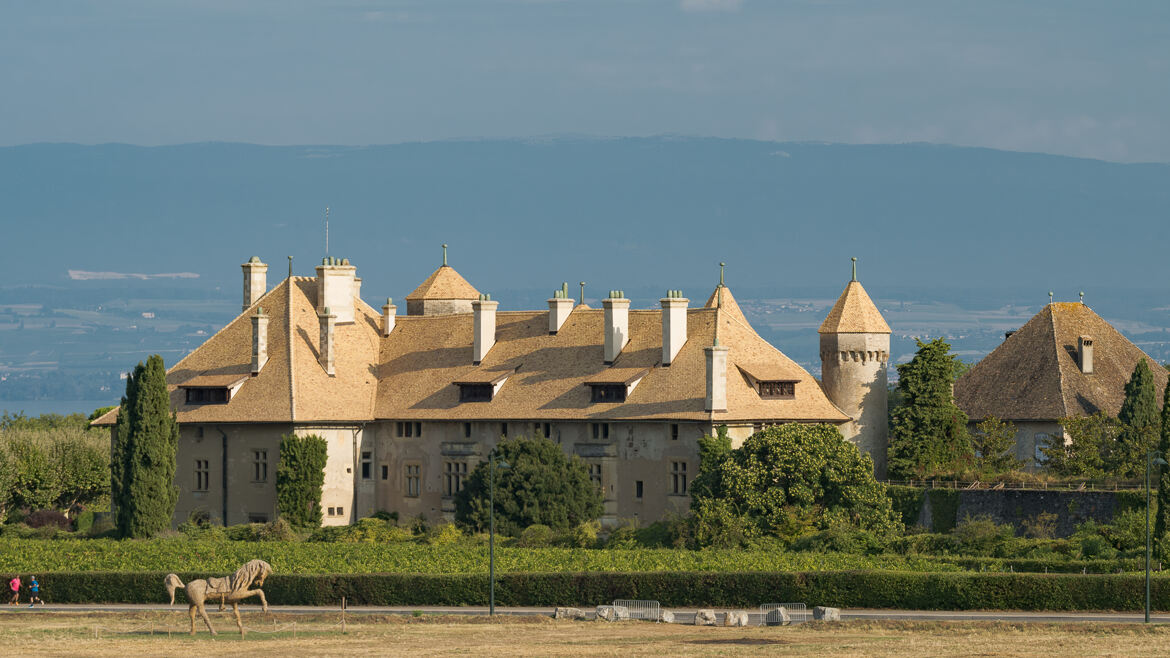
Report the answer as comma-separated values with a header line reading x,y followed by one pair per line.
x,y
292,385
1059,362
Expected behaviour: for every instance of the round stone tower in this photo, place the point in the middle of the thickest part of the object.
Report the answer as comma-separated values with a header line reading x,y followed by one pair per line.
x,y
855,353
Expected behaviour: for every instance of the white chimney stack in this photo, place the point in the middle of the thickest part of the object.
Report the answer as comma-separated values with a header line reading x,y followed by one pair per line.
x,y
259,340
716,378
617,324
388,312
328,351
674,324
336,287
255,281
559,308
1085,354
483,311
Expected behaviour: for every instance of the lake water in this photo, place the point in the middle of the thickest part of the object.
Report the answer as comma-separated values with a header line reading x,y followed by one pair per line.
x,y
63,407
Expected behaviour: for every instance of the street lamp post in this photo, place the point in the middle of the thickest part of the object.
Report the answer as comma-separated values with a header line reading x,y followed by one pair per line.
x,y
492,529
1153,458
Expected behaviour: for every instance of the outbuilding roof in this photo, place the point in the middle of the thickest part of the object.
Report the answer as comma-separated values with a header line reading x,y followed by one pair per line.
x,y
1034,373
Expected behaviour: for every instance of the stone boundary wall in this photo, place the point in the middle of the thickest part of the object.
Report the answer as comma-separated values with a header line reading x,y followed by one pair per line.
x,y
1017,506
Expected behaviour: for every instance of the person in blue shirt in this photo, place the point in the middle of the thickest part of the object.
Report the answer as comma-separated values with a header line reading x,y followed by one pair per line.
x,y
34,590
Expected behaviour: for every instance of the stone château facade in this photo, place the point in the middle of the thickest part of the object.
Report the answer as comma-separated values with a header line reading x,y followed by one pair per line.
x,y
409,404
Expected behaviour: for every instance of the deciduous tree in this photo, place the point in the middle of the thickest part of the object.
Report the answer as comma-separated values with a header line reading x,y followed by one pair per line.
x,y
540,486
786,478
1162,522
994,445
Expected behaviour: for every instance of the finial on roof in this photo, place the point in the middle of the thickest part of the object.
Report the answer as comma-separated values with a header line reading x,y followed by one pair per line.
x,y
1082,297
721,266
582,293
290,267
444,254
1049,296
326,230
854,259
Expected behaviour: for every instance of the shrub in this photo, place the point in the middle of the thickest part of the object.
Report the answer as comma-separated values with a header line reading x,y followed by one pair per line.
x,y
47,518
278,530
1096,547
1041,526
585,535
244,532
623,537
444,534
840,540
1128,530
981,536
907,501
535,536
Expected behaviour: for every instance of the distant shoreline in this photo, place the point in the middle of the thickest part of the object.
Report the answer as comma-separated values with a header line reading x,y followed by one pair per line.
x,y
63,407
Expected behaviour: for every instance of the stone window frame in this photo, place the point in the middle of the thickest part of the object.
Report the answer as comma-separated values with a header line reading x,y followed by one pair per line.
x,y
679,477
259,465
202,475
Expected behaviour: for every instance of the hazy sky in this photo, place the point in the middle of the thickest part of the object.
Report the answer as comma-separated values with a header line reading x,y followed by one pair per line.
x,y
1076,77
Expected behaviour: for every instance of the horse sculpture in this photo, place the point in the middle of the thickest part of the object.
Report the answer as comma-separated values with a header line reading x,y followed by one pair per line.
x,y
232,589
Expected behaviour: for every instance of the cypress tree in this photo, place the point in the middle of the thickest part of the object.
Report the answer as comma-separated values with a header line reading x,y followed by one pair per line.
x,y
928,431
146,439
300,475
1162,520
1140,424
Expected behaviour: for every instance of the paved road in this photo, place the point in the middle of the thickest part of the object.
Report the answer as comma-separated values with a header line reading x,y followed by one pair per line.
x,y
937,615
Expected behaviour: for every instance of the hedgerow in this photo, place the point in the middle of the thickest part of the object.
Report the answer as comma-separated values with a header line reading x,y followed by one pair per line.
x,y
852,589
467,557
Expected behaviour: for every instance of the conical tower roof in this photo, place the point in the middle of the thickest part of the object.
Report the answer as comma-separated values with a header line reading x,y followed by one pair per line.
x,y
444,283
854,313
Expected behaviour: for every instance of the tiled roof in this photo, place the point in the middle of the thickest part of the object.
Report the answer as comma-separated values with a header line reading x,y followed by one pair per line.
x,y
854,313
444,283
411,373
1034,374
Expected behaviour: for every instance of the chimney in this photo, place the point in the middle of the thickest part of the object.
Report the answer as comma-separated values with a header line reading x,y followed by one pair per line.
x,y
1085,354
483,311
255,281
328,351
716,377
336,287
674,324
559,308
617,324
388,312
259,340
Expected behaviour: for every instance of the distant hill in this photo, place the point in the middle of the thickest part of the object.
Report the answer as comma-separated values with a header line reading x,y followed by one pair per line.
x,y
623,213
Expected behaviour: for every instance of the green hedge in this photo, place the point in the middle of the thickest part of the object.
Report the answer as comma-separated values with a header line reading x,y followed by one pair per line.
x,y
851,589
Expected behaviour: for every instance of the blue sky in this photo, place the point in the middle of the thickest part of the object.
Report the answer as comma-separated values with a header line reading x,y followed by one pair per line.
x,y
1071,77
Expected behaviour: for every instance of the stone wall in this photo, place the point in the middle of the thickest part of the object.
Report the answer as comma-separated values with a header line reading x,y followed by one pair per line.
x,y
1020,506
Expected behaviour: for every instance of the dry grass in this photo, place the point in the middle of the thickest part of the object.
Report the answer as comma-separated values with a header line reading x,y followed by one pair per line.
x,y
123,634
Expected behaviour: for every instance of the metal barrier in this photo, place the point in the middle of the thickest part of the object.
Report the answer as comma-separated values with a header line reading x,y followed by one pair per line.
x,y
649,610
797,612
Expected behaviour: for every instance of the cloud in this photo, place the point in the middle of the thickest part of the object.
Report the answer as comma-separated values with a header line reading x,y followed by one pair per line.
x,y
710,5
82,275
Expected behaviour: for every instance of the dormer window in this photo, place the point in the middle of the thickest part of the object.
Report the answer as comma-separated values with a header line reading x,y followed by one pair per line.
x,y
777,390
201,395
482,385
614,385
475,392
608,393
213,388
771,382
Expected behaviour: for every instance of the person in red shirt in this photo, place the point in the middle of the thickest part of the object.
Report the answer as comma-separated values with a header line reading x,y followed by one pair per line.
x,y
14,585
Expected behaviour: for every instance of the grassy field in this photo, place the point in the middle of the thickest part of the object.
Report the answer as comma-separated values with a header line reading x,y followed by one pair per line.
x,y
161,633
